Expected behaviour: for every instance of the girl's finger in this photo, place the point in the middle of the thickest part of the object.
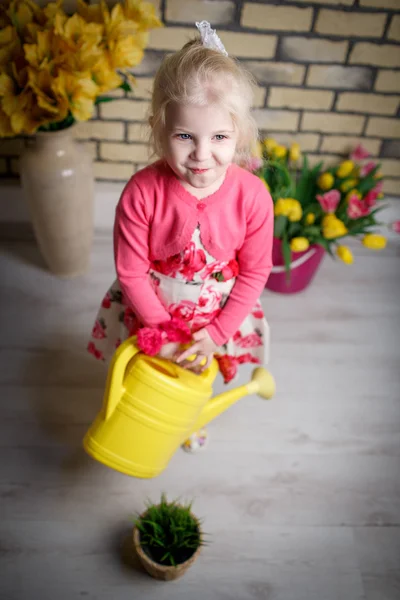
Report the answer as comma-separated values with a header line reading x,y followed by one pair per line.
x,y
192,350
193,364
208,363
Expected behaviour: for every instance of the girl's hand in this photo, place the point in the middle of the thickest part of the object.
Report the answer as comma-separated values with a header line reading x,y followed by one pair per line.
x,y
204,348
169,351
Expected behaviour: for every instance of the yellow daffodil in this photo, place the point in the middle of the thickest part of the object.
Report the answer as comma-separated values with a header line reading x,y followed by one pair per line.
x,y
104,76
142,12
288,207
21,13
345,254
352,193
279,151
294,153
92,13
79,91
53,65
125,52
41,82
374,241
348,185
76,32
9,45
332,227
325,181
310,219
299,244
345,168
5,125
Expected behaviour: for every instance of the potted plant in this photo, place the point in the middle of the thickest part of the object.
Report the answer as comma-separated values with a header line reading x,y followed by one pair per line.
x,y
167,539
54,69
315,209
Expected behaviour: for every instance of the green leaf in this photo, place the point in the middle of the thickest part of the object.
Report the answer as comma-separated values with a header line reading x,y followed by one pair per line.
x,y
126,87
287,255
102,99
280,225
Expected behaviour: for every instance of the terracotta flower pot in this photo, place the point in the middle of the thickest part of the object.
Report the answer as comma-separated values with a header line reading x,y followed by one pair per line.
x,y
162,572
303,268
57,177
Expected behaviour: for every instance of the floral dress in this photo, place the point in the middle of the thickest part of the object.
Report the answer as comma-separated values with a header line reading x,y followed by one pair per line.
x,y
193,286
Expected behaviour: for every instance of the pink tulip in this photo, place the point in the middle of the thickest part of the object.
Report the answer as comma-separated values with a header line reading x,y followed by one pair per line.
x,y
359,153
367,168
370,198
396,226
329,201
378,188
356,208
253,164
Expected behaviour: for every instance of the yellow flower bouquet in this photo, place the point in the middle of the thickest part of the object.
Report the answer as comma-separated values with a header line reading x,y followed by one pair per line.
x,y
55,67
318,208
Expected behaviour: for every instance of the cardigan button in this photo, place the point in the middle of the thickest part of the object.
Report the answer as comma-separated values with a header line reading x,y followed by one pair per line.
x,y
201,206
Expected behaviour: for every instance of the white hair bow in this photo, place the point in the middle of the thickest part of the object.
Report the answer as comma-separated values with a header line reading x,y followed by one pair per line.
x,y
209,37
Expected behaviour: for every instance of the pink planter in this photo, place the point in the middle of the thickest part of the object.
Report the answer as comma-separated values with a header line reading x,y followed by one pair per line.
x,y
303,268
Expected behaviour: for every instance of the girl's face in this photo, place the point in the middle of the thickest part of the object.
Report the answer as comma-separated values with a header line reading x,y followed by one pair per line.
x,y
199,145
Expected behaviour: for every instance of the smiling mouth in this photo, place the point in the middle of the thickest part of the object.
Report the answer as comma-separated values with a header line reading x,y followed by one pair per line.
x,y
197,171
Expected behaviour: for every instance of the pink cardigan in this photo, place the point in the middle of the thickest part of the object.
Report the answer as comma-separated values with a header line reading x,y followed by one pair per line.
x,y
155,219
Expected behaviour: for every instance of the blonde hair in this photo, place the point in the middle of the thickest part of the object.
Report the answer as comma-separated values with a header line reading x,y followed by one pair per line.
x,y
200,76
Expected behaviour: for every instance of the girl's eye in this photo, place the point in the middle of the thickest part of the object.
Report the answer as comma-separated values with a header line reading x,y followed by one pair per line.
x,y
184,136
220,137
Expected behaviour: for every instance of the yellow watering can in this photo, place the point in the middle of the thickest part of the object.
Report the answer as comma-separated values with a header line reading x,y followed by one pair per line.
x,y
152,405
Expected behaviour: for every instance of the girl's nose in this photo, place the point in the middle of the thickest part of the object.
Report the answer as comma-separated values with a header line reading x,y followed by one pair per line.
x,y
201,151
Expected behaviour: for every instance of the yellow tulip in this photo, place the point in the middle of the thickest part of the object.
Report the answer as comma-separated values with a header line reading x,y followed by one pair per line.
x,y
325,181
294,153
299,244
378,175
270,144
374,241
345,168
279,151
347,185
345,254
257,149
381,195
310,219
332,227
353,193
288,207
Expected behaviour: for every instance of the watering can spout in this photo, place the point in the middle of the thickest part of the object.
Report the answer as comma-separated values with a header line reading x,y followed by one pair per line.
x,y
262,383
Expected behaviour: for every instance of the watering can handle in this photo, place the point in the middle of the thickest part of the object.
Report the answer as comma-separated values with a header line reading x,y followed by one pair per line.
x,y
115,379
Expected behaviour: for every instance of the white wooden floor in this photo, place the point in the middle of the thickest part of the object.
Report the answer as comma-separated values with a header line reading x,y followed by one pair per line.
x,y
300,495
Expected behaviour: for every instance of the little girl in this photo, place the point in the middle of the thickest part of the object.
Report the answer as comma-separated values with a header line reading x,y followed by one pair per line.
x,y
193,231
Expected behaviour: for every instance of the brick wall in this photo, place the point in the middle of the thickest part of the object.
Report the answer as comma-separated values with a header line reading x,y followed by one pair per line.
x,y
328,74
